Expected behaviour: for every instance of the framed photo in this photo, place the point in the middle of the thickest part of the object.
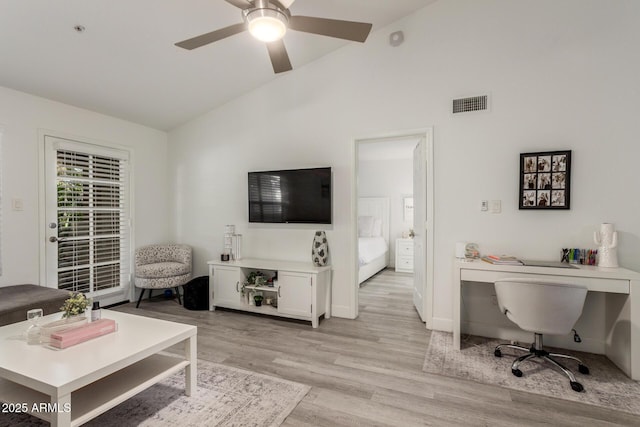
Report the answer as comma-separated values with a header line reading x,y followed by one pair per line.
x,y
545,180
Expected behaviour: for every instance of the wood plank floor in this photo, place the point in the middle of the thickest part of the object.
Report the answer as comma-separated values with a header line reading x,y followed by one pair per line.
x,y
368,371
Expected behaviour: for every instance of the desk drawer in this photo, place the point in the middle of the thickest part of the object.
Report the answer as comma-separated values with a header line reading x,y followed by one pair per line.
x,y
618,286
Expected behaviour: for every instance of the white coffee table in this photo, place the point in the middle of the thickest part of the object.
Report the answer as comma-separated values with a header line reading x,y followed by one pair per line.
x,y
94,376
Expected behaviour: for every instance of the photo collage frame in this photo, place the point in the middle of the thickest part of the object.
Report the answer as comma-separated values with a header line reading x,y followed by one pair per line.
x,y
545,180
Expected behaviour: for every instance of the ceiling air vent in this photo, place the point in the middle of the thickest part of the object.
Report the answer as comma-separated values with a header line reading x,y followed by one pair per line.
x,y
474,103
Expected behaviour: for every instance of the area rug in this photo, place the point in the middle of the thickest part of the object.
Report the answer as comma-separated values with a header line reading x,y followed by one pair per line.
x,y
606,386
225,397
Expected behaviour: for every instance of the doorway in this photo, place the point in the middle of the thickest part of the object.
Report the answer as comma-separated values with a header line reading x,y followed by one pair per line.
x,y
403,165
85,218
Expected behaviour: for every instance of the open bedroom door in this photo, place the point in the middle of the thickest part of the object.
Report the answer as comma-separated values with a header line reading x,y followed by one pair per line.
x,y
420,226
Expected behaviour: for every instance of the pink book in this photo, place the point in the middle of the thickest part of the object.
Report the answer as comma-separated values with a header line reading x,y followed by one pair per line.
x,y
69,337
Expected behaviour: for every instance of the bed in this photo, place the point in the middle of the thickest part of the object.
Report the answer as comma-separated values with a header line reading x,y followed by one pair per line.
x,y
373,236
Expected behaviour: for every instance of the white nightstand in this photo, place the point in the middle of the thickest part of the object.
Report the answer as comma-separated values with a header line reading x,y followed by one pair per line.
x,y
404,255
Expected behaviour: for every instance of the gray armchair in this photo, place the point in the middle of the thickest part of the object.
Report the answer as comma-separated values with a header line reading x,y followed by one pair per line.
x,y
162,267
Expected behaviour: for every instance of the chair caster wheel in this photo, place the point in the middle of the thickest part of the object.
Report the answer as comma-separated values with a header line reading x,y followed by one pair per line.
x,y
576,386
517,372
583,369
497,352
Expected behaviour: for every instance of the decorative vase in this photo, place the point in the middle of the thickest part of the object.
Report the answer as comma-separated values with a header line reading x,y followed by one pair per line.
x,y
320,249
607,239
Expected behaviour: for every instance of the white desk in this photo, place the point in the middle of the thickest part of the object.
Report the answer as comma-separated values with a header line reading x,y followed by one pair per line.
x,y
621,286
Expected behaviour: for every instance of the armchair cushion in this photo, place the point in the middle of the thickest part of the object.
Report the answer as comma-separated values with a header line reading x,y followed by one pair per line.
x,y
162,269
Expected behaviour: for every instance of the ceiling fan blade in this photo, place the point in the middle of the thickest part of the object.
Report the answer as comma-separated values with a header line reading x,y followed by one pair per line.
x,y
211,37
287,3
279,57
240,4
348,30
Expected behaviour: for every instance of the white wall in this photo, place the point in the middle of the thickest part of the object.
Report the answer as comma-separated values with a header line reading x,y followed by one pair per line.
x,y
22,116
393,179
562,75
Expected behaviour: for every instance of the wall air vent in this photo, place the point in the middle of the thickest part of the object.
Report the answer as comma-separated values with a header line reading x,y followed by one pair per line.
x,y
474,103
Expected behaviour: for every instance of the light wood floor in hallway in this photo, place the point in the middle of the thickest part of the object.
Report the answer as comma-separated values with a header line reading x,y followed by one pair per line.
x,y
368,371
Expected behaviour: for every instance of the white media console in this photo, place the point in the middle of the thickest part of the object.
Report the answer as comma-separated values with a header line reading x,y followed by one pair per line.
x,y
302,291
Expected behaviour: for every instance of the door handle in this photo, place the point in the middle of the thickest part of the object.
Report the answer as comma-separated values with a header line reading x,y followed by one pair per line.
x,y
54,239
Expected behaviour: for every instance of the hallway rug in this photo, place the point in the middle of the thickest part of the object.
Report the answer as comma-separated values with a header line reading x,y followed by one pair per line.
x,y
225,396
606,386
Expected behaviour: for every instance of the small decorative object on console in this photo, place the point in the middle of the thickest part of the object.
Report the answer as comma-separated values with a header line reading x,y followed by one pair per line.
x,y
607,238
232,244
320,249
229,231
258,300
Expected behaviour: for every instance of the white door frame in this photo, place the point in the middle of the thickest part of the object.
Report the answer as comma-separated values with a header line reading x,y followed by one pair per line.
x,y
427,134
118,295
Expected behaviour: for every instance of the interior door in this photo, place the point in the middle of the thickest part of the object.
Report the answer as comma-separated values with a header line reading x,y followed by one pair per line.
x,y
419,225
87,215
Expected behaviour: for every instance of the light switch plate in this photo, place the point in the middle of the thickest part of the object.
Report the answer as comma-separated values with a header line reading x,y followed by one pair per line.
x,y
484,205
496,206
17,204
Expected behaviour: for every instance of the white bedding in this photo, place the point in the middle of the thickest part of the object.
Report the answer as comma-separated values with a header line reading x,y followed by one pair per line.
x,y
369,248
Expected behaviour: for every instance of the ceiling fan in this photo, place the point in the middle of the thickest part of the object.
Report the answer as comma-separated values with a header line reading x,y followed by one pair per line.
x,y
268,21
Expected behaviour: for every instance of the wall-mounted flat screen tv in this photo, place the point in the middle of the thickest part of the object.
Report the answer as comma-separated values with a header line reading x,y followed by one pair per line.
x,y
296,196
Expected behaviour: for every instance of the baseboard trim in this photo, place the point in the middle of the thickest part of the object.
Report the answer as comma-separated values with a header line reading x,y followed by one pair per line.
x,y
342,311
441,324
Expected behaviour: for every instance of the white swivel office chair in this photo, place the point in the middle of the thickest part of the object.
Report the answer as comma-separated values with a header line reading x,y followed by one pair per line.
x,y
542,308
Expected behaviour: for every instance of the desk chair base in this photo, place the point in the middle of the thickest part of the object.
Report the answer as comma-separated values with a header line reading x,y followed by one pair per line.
x,y
536,350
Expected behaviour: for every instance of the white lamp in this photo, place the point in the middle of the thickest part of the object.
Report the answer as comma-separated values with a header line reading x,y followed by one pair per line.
x,y
267,25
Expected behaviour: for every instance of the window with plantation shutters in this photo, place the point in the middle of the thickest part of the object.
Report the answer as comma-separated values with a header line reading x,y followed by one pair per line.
x,y
92,218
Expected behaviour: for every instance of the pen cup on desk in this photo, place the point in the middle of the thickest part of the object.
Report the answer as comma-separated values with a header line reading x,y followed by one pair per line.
x,y
578,256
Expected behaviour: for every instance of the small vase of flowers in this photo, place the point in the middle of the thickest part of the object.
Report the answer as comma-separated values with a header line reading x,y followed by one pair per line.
x,y
75,305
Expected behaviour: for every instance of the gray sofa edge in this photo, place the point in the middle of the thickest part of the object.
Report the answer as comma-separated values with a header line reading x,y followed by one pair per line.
x,y
16,300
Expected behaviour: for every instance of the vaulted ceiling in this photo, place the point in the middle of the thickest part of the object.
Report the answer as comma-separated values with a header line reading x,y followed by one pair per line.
x,y
125,64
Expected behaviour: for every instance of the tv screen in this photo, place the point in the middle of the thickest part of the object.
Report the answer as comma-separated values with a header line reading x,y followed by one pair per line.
x,y
300,196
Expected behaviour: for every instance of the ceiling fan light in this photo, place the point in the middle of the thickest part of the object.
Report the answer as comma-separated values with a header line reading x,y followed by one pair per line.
x,y
267,25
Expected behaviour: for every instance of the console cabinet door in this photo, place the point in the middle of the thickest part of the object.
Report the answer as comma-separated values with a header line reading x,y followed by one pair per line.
x,y
294,293
226,286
